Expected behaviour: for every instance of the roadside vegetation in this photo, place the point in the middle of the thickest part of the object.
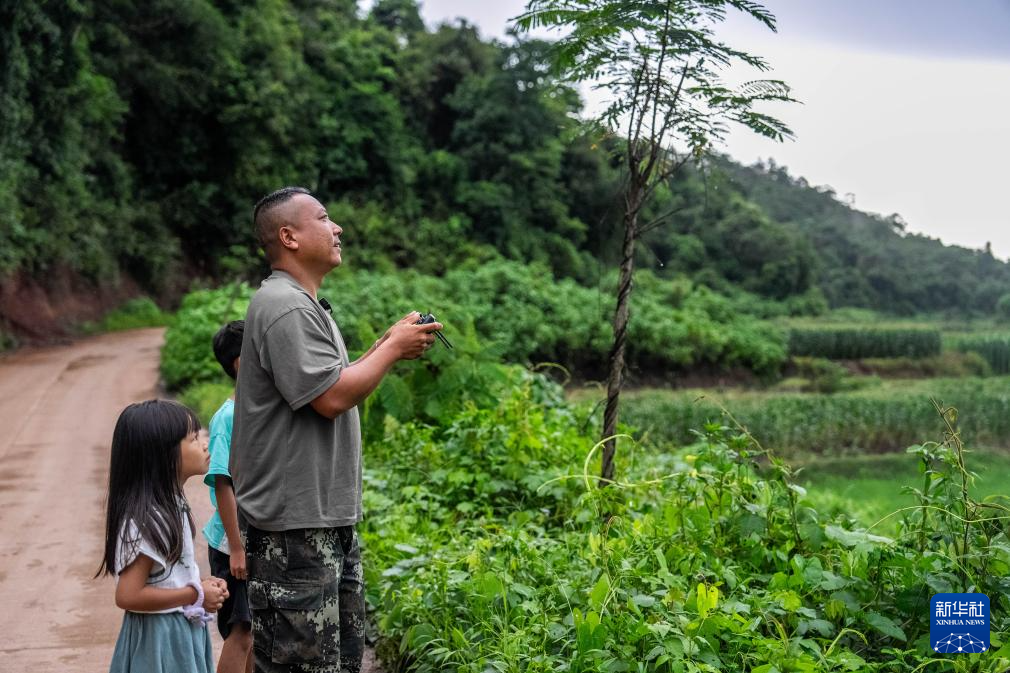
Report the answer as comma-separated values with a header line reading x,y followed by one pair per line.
x,y
813,540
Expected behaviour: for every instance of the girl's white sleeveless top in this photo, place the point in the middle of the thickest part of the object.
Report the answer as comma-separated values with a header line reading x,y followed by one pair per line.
x,y
180,574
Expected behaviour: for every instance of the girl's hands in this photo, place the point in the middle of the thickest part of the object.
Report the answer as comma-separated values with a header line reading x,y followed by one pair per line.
x,y
215,591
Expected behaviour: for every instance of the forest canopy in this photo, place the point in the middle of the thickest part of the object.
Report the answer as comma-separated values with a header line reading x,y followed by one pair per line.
x,y
135,137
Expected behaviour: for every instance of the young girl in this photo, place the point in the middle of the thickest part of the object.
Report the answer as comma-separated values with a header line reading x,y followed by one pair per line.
x,y
156,447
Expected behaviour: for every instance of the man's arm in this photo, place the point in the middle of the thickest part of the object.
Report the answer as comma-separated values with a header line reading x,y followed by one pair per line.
x,y
410,318
405,341
356,382
371,350
227,508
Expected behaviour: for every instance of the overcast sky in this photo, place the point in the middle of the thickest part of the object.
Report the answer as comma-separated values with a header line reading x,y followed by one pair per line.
x,y
905,103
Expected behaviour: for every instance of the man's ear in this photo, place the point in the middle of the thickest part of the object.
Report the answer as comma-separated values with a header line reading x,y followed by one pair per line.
x,y
287,237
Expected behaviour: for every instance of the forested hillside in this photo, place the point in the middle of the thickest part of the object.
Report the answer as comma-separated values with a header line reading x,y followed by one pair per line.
x,y
135,137
872,261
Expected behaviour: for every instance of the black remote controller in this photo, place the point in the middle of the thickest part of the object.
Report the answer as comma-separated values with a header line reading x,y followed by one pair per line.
x,y
427,319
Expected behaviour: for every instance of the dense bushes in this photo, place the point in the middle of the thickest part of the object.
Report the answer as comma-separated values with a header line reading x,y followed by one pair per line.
x,y
486,546
505,310
824,376
486,551
206,398
187,356
855,343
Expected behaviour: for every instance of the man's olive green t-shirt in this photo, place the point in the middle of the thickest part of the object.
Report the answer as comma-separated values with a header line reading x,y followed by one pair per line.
x,y
291,467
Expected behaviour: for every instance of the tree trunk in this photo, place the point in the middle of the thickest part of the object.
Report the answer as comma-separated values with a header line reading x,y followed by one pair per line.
x,y
622,315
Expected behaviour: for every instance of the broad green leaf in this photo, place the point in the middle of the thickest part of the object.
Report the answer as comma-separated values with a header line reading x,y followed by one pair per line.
x,y
885,625
599,592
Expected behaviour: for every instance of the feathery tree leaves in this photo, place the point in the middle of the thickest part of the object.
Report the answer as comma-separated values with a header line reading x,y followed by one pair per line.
x,y
660,66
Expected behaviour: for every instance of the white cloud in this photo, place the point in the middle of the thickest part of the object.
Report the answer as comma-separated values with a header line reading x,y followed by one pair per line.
x,y
927,138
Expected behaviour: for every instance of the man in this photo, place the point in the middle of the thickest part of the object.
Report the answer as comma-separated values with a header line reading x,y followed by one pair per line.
x,y
296,447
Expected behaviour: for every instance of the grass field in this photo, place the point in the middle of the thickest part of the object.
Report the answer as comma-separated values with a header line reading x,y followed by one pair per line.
x,y
850,446
869,488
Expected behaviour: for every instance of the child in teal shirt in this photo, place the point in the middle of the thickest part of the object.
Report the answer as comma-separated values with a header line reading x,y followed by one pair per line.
x,y
226,551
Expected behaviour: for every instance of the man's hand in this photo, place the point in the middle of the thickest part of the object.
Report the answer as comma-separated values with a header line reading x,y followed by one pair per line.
x,y
406,341
237,563
408,319
409,340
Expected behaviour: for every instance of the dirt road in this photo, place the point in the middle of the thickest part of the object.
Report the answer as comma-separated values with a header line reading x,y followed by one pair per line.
x,y
58,407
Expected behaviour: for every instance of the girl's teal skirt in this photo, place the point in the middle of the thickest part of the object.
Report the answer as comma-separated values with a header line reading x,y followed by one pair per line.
x,y
162,643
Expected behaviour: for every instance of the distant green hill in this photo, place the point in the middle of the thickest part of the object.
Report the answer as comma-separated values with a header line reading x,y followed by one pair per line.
x,y
871,261
772,233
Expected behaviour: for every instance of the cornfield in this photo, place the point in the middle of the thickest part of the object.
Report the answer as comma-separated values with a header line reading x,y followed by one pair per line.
x,y
880,420
857,343
993,347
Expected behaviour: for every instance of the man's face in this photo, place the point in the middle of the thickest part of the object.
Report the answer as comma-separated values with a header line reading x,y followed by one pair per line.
x,y
318,238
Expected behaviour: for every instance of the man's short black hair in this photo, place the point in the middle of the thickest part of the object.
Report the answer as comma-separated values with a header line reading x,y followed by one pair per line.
x,y
266,226
228,345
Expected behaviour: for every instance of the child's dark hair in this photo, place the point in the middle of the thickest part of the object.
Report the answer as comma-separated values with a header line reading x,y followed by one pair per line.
x,y
228,345
144,483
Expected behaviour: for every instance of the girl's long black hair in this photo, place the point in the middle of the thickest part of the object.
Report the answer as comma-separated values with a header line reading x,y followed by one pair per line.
x,y
144,479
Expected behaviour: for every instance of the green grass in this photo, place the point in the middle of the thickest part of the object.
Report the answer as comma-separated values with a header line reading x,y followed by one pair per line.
x,y
134,314
820,432
7,341
869,487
